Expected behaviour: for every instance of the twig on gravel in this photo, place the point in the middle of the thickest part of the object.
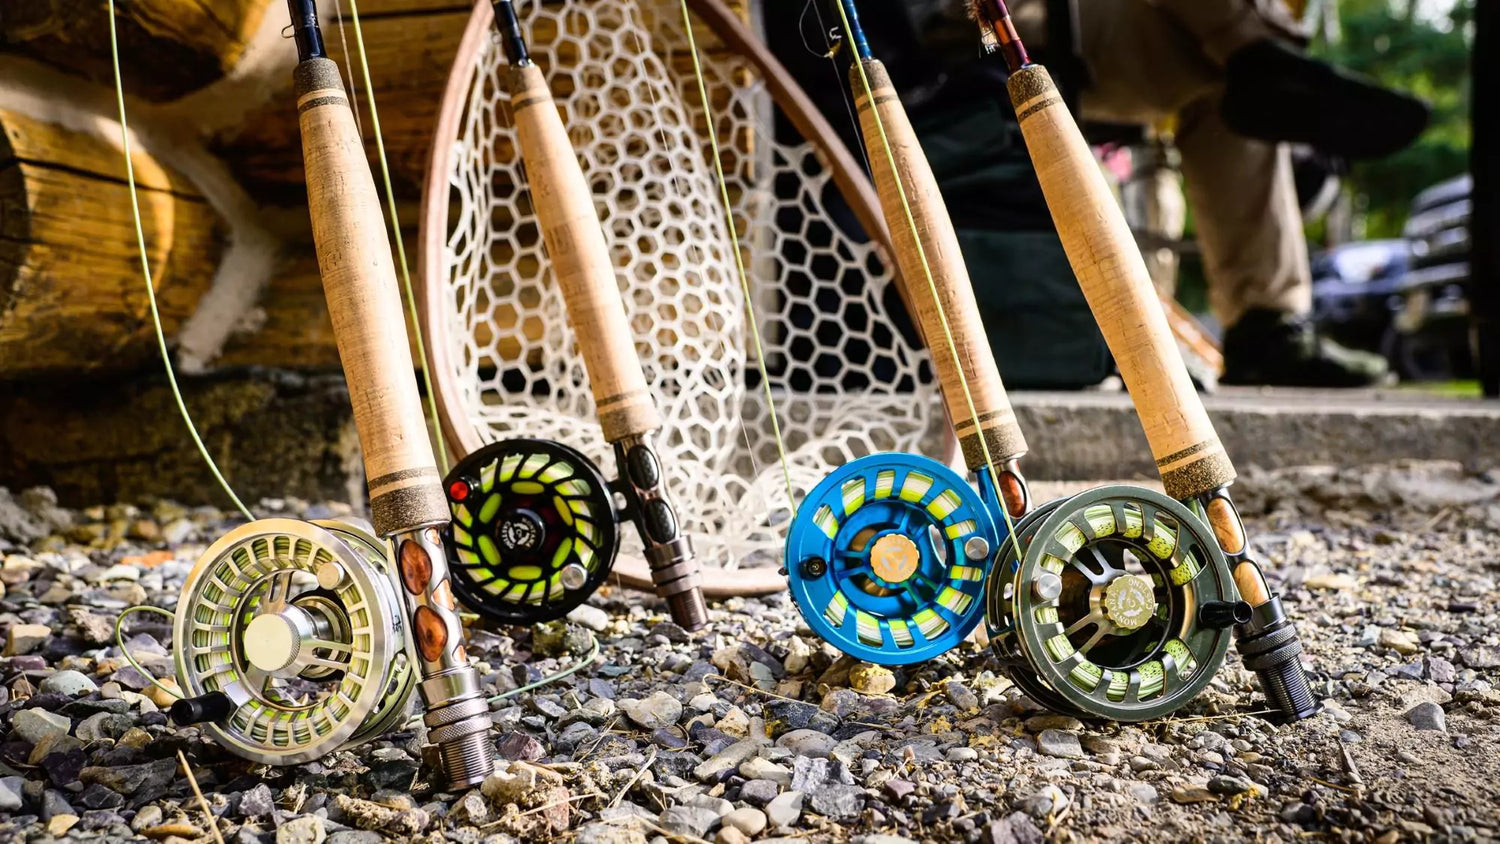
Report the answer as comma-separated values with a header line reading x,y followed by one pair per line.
x,y
213,823
638,774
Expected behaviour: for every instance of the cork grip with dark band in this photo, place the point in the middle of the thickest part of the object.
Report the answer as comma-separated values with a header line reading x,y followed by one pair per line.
x,y
580,260
976,364
364,303
1109,267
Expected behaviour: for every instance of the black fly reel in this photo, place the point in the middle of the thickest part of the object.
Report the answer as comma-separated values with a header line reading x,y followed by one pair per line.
x,y
1119,605
534,530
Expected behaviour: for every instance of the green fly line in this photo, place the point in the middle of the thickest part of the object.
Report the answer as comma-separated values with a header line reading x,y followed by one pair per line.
x,y
739,259
911,222
140,240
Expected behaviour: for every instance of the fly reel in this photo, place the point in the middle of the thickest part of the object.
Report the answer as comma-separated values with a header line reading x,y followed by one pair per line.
x,y
1120,608
887,558
290,641
534,530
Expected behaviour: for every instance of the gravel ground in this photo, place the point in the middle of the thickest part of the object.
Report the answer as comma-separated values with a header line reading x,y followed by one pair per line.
x,y
755,730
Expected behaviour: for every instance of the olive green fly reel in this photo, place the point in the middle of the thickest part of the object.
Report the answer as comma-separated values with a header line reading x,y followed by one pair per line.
x,y
1120,605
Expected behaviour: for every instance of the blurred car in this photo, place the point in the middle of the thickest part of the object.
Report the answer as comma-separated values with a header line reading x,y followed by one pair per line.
x,y
1405,298
1429,337
1356,289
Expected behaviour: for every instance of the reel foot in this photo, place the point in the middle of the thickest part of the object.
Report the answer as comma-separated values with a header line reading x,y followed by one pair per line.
x,y
887,557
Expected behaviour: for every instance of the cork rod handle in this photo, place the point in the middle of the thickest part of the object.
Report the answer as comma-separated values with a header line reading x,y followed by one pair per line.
x,y
580,260
976,363
1109,267
364,302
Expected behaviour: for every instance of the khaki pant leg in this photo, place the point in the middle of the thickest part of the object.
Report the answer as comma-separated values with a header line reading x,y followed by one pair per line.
x,y
1222,26
1244,203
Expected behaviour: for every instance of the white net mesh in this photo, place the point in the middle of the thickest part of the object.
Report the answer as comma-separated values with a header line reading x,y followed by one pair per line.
x,y
846,381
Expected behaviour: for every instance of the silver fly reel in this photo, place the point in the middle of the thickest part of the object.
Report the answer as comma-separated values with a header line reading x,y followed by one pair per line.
x,y
290,641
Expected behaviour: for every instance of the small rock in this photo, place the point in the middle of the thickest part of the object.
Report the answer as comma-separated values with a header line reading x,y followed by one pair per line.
x,y
37,725
759,792
1192,794
759,768
1428,716
609,833
730,835
871,679
960,696
515,745
837,802
25,638
1038,723
899,789
654,712
962,754
808,743
11,790
592,618
1142,792
1016,829
783,812
175,829
307,829
1063,745
1331,582
728,759
689,820
60,824
1047,800
1400,641
1231,786
1480,657
70,683
748,820
257,802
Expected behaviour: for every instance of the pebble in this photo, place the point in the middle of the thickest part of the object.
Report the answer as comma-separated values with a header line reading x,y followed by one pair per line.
x,y
1047,800
257,802
785,810
58,825
609,833
1143,792
1063,745
760,768
760,792
960,696
689,820
1193,794
25,638
750,821
726,760
654,712
70,683
1400,641
307,829
871,679
1428,716
808,743
11,790
589,617
837,802
36,725
962,754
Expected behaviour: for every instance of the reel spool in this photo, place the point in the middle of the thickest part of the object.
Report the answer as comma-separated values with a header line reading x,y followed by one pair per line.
x,y
534,530
291,643
887,558
1121,607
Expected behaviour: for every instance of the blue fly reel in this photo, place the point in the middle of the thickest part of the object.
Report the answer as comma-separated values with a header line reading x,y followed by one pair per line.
x,y
887,558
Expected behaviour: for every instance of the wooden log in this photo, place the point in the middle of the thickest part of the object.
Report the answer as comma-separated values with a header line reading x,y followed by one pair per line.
x,y
172,47
72,296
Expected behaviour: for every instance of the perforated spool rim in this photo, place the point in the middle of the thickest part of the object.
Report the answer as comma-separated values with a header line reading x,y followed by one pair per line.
x,y
850,178
372,698
807,538
1214,568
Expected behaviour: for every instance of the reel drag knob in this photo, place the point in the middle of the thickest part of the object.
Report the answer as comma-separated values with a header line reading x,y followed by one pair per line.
x,y
887,558
289,641
534,530
1119,606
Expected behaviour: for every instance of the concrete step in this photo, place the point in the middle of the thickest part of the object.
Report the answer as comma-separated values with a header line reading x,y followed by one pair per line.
x,y
1096,434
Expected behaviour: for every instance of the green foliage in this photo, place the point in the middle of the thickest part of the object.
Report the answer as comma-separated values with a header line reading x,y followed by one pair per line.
x,y
1422,48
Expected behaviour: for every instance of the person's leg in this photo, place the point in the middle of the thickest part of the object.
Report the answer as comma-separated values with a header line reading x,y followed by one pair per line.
x,y
1221,27
1245,206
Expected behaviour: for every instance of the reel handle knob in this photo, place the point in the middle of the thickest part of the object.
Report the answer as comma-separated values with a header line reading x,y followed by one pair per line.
x,y
214,706
1222,614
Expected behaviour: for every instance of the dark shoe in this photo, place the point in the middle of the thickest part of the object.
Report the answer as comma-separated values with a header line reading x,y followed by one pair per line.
x,y
1272,348
1272,92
